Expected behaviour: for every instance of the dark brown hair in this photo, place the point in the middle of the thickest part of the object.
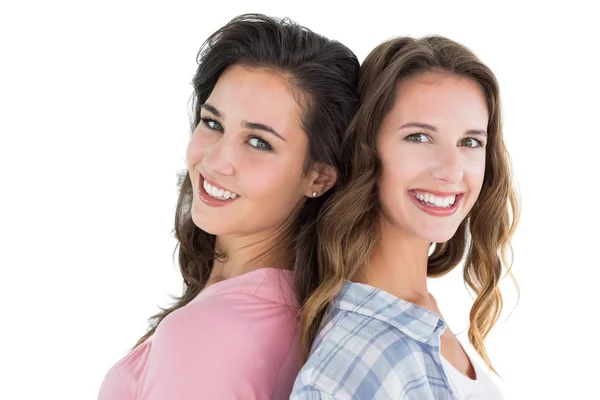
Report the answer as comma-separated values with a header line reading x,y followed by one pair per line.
x,y
323,75
350,226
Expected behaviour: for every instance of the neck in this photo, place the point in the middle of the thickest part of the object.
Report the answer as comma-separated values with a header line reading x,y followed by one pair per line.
x,y
398,265
245,254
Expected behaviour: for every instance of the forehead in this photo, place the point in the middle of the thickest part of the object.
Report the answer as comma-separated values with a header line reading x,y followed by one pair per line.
x,y
441,100
256,95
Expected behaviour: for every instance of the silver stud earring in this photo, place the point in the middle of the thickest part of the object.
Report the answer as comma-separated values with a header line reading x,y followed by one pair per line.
x,y
314,194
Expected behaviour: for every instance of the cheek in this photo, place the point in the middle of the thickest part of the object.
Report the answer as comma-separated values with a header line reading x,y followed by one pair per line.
x,y
398,171
272,193
474,174
270,181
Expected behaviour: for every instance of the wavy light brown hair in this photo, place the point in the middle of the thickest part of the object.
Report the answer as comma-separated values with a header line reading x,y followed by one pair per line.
x,y
350,226
323,76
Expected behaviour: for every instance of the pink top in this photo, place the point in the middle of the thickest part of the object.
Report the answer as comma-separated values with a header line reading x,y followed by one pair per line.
x,y
237,340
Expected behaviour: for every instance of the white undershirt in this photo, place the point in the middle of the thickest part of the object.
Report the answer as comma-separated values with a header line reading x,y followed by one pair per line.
x,y
482,388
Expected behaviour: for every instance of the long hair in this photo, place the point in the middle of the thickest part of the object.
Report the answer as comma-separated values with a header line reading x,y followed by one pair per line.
x,y
322,74
350,226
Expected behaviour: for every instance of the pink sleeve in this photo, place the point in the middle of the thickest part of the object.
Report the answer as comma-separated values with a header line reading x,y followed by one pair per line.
x,y
233,348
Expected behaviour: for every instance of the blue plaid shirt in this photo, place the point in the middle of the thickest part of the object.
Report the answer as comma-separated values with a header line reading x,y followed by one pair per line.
x,y
374,345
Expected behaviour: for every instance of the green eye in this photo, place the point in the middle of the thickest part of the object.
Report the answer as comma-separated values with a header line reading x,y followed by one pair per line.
x,y
211,124
259,144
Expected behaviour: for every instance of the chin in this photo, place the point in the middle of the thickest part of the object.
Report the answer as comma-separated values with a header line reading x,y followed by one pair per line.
x,y
208,226
437,235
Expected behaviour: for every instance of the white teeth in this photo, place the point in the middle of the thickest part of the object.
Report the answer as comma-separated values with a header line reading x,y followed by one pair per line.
x,y
218,193
437,201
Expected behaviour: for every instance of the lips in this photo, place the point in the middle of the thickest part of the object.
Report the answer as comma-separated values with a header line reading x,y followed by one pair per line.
x,y
219,193
436,204
433,200
221,196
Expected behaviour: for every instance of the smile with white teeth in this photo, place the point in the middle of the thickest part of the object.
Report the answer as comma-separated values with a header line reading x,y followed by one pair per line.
x,y
432,200
217,193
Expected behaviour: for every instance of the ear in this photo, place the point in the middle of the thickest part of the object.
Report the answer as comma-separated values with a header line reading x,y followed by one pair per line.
x,y
322,177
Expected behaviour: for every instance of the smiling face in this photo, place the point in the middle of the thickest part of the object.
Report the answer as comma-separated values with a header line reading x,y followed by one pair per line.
x,y
432,149
246,157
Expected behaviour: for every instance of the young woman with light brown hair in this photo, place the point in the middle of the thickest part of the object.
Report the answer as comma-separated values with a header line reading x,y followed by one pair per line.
x,y
429,187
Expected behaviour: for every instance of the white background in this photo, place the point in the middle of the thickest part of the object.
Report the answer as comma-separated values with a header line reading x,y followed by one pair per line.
x,y
94,124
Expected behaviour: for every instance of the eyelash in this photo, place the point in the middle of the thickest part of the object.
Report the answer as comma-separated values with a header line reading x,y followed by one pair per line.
x,y
206,122
410,137
266,147
415,135
479,142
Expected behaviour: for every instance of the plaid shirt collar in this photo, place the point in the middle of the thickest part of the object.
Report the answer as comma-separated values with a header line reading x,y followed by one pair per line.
x,y
412,320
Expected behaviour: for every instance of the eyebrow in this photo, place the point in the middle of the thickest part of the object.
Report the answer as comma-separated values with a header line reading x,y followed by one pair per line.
x,y
263,127
434,129
210,108
249,125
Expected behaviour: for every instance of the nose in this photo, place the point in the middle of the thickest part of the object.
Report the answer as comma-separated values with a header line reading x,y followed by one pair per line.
x,y
219,159
449,166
